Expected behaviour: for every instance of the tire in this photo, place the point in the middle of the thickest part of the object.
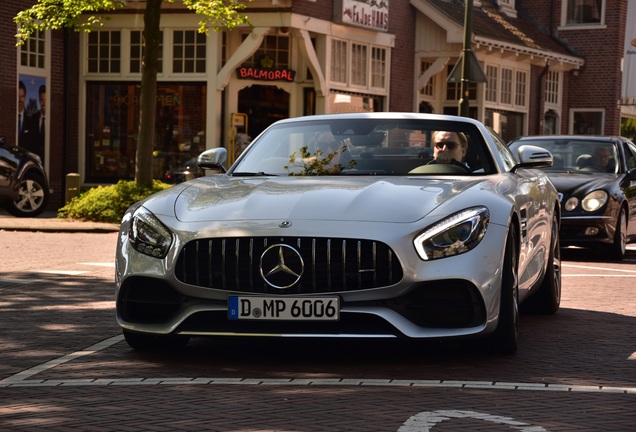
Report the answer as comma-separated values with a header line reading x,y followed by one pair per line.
x,y
146,342
547,299
505,338
617,249
33,196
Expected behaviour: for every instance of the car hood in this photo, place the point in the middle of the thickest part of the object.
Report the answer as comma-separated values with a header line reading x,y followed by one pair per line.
x,y
570,183
381,199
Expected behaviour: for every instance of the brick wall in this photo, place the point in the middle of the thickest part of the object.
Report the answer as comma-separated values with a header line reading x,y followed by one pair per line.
x,y
402,24
598,84
601,76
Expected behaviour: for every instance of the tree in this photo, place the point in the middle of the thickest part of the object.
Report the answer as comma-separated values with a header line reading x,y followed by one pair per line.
x,y
628,127
85,15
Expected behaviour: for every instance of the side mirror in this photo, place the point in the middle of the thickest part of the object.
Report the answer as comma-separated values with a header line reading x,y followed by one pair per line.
x,y
534,157
213,159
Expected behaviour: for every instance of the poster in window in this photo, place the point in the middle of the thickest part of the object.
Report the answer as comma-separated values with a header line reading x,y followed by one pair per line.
x,y
31,117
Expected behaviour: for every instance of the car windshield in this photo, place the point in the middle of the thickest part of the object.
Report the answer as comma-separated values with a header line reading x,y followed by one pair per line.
x,y
576,154
365,146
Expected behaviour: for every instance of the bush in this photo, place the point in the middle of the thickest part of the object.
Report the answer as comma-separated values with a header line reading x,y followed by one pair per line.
x,y
107,203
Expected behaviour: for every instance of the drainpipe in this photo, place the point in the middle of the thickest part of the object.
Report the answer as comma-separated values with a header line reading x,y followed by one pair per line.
x,y
540,99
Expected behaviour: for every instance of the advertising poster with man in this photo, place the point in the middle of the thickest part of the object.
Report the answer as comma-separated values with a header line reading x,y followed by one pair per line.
x,y
32,114
629,56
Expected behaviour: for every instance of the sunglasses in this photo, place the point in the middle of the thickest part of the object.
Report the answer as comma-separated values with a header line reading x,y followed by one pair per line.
x,y
450,145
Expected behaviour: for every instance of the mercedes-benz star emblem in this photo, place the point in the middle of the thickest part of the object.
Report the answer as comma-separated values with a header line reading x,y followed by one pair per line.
x,y
281,266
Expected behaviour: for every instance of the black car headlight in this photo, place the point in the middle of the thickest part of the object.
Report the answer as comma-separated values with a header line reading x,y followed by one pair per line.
x,y
148,235
594,200
453,235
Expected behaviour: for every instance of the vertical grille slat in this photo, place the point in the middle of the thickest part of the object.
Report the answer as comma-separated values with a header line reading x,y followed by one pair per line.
x,y
250,269
223,265
328,262
344,264
211,265
331,264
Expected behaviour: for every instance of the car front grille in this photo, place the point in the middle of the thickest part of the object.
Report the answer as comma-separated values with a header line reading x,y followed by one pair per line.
x,y
329,264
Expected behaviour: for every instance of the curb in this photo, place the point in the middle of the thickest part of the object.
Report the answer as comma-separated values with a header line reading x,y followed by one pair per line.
x,y
49,222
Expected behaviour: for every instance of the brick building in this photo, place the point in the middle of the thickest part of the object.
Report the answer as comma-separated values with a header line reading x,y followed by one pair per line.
x,y
303,57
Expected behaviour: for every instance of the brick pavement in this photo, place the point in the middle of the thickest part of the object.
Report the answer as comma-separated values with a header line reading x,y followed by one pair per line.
x,y
294,385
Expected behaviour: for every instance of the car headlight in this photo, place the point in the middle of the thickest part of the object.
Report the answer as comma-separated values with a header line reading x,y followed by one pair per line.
x,y
454,235
148,235
594,200
571,203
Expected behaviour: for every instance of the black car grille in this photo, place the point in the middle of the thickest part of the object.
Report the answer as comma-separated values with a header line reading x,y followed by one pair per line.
x,y
330,264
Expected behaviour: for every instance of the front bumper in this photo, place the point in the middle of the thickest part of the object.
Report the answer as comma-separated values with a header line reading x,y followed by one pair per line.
x,y
586,230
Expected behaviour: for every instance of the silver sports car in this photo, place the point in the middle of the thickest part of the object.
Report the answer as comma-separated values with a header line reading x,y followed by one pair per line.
x,y
370,225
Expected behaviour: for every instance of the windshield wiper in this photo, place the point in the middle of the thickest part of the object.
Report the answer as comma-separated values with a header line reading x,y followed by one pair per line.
x,y
253,174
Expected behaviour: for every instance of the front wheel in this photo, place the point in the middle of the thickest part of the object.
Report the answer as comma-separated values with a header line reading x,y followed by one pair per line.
x,y
547,299
617,249
32,199
505,338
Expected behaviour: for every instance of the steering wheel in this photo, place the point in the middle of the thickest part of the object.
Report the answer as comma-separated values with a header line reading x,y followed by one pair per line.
x,y
590,168
441,168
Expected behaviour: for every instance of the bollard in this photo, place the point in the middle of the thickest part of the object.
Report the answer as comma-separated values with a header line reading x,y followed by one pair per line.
x,y
72,186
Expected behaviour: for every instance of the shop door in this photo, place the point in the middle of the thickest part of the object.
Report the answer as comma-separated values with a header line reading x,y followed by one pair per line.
x,y
263,105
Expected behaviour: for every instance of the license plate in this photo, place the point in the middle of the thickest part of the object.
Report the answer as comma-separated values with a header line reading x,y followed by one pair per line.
x,y
283,308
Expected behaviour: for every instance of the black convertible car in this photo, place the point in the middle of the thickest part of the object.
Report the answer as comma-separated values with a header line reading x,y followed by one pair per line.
x,y
24,189
596,180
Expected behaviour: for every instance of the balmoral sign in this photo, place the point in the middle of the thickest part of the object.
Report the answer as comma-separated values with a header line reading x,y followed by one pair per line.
x,y
370,14
265,72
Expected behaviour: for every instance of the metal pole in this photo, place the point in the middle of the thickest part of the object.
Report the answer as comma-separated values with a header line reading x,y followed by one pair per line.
x,y
468,19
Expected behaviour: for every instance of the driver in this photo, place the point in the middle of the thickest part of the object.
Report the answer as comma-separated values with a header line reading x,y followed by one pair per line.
x,y
449,147
601,158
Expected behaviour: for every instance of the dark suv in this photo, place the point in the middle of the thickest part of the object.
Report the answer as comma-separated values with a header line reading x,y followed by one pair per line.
x,y
24,189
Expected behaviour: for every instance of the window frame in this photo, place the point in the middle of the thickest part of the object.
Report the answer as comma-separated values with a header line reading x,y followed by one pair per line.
x,y
497,87
39,40
601,123
566,13
364,71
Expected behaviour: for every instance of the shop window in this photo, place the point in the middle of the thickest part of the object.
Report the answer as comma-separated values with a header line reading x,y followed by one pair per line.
x,y
491,84
584,11
508,124
428,89
275,47
506,86
112,127
137,51
341,102
550,123
33,52
339,61
104,51
359,65
188,51
378,67
587,122
521,86
552,87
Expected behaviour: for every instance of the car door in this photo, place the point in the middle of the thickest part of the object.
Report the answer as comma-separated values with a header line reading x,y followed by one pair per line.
x,y
8,166
531,201
629,186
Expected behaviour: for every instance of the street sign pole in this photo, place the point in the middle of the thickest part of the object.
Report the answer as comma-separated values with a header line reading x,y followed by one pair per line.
x,y
464,100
